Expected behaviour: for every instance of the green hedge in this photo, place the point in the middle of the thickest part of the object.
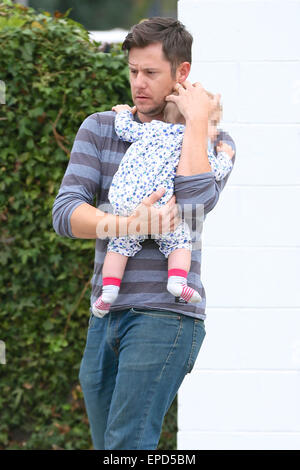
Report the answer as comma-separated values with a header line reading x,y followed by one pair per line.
x,y
54,78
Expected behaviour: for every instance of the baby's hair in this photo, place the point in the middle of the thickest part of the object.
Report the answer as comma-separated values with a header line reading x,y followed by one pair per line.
x,y
173,115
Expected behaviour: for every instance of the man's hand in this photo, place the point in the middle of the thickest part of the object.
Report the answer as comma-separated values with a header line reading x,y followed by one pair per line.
x,y
195,105
193,101
223,147
148,219
123,107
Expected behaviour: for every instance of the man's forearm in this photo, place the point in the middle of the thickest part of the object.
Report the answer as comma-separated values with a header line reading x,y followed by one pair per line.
x,y
193,159
89,222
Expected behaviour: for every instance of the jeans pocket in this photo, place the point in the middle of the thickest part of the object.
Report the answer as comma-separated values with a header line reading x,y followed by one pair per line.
x,y
198,337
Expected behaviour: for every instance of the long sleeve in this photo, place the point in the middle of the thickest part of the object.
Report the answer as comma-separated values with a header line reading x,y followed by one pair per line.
x,y
82,176
202,191
221,164
127,129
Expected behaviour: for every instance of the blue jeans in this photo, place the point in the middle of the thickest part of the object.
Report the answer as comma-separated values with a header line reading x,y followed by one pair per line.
x,y
132,367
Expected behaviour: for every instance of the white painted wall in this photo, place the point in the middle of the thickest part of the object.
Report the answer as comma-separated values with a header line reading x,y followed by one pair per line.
x,y
116,35
244,391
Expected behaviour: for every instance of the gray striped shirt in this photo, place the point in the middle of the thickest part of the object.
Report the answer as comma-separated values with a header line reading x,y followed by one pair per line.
x,y
96,154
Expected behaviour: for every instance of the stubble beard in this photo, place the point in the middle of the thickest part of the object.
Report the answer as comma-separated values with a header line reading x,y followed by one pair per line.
x,y
154,111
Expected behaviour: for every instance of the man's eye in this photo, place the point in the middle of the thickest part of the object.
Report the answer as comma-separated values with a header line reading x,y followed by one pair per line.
x,y
133,71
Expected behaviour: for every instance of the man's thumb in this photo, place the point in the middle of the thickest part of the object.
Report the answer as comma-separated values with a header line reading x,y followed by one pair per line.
x,y
154,196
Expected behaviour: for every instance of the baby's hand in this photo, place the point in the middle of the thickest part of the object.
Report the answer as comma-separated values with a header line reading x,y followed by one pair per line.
x,y
123,107
222,147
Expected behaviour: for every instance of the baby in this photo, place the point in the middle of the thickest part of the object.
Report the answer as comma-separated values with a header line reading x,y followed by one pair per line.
x,y
149,163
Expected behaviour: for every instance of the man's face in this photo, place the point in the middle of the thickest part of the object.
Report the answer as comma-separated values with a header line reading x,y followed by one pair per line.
x,y
150,80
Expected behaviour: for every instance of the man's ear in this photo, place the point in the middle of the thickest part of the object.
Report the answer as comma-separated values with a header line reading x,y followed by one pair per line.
x,y
183,71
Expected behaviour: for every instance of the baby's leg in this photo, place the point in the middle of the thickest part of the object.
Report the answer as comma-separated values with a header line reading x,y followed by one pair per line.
x,y
112,274
179,263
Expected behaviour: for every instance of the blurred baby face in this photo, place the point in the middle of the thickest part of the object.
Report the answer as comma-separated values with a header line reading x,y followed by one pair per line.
x,y
212,125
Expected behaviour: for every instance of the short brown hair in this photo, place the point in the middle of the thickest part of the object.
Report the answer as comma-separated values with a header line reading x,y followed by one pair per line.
x,y
176,40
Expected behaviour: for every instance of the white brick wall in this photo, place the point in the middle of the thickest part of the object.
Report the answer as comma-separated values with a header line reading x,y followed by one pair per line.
x,y
244,390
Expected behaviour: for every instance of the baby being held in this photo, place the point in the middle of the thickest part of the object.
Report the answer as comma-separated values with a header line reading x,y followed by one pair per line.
x,y
149,163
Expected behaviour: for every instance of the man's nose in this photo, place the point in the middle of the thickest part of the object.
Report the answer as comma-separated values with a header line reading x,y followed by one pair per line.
x,y
140,80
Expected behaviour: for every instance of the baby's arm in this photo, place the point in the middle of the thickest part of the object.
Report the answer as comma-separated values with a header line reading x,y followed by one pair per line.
x,y
223,147
126,128
123,107
221,164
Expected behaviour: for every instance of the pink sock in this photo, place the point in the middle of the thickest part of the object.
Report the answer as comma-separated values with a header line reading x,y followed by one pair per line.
x,y
177,286
110,291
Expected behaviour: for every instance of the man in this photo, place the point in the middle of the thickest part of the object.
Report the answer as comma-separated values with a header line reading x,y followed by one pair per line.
x,y
137,356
